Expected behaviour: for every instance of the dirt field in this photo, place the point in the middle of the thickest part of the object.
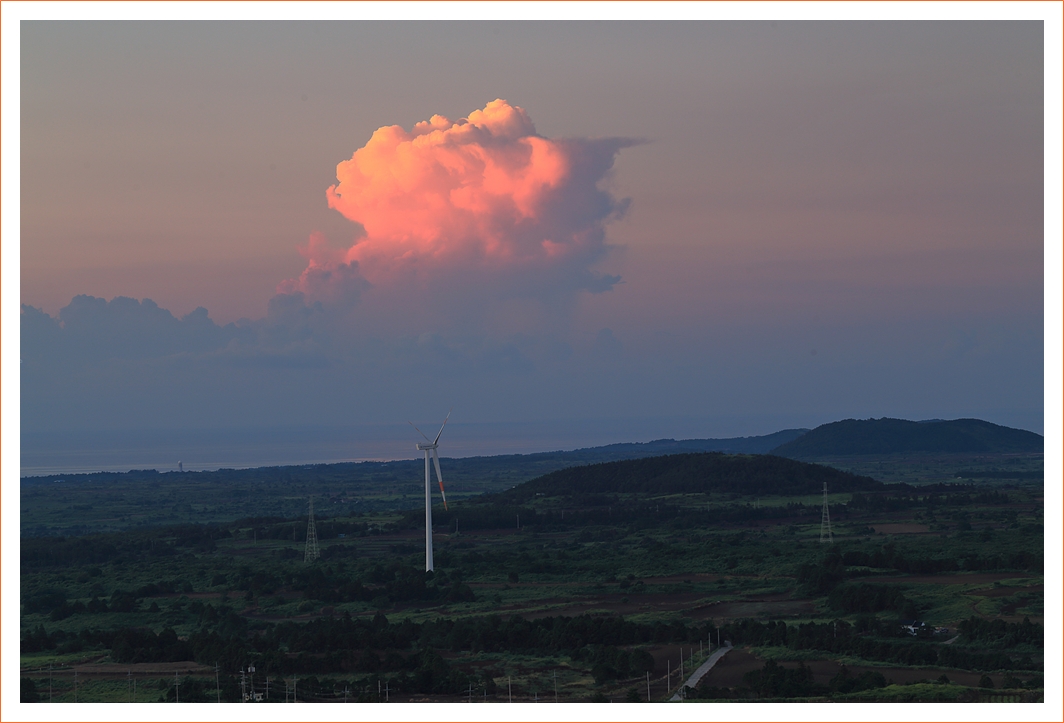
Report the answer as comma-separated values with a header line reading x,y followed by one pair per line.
x,y
1006,591
680,602
120,671
981,578
729,671
691,604
763,609
904,528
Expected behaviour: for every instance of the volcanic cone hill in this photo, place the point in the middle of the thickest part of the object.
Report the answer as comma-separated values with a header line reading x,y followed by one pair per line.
x,y
691,473
899,436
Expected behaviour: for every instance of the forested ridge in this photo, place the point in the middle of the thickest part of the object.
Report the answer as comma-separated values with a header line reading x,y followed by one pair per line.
x,y
693,473
898,436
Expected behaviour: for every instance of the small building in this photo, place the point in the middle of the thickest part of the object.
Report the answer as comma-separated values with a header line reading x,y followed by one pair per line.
x,y
913,627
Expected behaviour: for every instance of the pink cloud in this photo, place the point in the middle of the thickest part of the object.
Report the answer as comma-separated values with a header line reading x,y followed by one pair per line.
x,y
483,195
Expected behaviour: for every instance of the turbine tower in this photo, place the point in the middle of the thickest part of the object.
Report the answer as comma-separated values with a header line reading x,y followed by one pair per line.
x,y
430,448
825,519
312,553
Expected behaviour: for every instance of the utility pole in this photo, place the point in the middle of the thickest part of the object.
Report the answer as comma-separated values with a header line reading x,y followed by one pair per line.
x,y
75,686
129,685
648,686
510,688
555,686
177,688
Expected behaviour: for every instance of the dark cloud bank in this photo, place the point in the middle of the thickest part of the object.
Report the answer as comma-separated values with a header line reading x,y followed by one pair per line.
x,y
126,363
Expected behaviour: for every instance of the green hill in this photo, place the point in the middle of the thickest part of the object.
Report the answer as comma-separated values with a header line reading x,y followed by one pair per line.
x,y
896,436
692,473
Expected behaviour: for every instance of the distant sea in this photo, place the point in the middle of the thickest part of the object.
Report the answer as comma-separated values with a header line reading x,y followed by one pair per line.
x,y
79,452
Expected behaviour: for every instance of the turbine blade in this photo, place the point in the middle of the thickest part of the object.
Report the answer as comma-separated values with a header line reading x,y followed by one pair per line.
x,y
419,431
444,425
439,476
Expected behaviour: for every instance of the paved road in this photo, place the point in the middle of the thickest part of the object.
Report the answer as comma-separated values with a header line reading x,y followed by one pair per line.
x,y
704,668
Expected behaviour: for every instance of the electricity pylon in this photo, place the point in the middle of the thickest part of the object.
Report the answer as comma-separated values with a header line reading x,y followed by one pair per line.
x,y
825,519
312,552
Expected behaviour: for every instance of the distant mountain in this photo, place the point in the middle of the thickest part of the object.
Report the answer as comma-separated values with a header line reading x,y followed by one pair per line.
x,y
657,447
689,473
895,436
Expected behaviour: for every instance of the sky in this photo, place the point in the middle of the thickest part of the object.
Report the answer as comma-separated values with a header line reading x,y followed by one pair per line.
x,y
660,229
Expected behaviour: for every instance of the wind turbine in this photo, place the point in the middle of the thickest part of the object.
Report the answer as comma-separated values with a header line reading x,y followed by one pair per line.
x,y
430,447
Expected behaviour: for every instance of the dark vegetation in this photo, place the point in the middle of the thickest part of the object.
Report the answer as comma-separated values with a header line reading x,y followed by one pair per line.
x,y
692,473
614,568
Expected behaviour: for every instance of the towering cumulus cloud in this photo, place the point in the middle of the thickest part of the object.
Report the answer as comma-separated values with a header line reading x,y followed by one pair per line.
x,y
483,198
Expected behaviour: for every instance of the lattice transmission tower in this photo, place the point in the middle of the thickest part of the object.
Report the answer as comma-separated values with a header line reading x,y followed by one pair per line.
x,y
312,552
825,519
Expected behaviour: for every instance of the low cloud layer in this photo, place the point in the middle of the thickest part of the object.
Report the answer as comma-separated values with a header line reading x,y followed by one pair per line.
x,y
482,208
128,362
125,364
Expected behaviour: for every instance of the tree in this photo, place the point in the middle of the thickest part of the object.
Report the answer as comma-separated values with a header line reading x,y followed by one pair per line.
x,y
29,692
